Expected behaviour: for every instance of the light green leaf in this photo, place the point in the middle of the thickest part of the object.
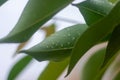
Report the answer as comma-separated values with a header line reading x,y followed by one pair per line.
x,y
113,70
35,14
58,46
94,10
2,2
94,34
50,29
18,67
113,1
92,65
54,70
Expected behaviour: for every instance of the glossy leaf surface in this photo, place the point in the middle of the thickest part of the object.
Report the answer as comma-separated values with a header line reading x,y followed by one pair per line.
x,y
54,69
94,10
35,14
58,46
89,38
18,67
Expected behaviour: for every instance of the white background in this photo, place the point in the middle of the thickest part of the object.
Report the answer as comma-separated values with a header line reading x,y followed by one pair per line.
x,y
9,15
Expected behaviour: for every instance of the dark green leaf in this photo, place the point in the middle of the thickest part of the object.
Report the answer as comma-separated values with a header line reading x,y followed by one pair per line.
x,y
58,46
54,70
94,34
35,14
18,67
113,44
94,10
92,65
2,2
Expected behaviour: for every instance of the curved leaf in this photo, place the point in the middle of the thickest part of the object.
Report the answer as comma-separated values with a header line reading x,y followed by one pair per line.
x,y
58,46
117,77
113,46
94,10
113,70
54,70
94,35
35,14
18,67
2,2
92,65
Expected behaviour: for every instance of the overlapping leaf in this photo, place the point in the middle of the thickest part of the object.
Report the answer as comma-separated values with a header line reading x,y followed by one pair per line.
x,y
113,46
58,46
35,14
92,65
26,60
94,10
94,34
54,70
113,71
18,67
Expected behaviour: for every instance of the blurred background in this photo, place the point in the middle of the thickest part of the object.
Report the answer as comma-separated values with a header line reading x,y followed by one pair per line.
x,y
9,15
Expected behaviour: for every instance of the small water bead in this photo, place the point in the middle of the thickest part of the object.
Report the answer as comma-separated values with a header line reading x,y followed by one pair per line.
x,y
68,29
61,45
51,47
56,44
79,33
73,38
47,46
68,43
53,43
69,34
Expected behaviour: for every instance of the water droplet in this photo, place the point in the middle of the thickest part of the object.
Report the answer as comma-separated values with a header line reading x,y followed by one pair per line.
x,y
53,43
73,38
61,45
47,46
64,35
69,34
78,33
51,46
68,43
68,29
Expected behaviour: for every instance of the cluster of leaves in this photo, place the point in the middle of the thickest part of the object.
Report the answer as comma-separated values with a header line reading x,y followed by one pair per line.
x,y
67,46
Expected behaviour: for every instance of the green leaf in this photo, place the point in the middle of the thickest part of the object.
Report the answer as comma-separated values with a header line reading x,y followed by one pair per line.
x,y
92,65
54,70
113,1
117,77
35,14
2,2
113,70
18,67
94,34
113,46
58,46
94,10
